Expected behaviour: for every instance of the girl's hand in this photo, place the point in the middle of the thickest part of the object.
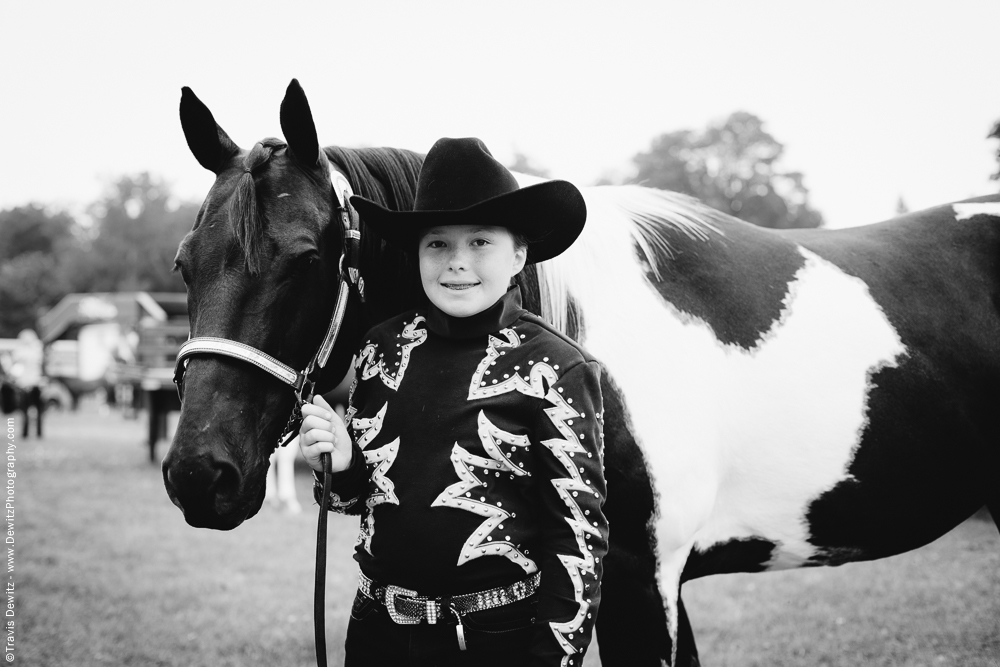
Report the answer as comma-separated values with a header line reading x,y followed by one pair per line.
x,y
324,431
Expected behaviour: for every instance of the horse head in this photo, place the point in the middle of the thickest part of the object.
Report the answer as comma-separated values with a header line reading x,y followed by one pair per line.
x,y
261,269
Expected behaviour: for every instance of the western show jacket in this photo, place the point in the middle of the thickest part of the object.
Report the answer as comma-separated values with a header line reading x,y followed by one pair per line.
x,y
478,460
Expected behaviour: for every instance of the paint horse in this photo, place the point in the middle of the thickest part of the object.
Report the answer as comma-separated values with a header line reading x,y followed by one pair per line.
x,y
772,399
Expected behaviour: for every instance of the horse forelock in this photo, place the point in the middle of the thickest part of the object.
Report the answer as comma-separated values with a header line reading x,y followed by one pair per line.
x,y
244,213
620,219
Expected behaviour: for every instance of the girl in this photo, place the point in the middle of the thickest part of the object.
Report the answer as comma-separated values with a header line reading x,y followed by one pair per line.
x,y
475,448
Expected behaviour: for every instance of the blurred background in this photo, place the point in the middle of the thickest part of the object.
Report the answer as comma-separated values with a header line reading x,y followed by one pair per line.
x,y
785,114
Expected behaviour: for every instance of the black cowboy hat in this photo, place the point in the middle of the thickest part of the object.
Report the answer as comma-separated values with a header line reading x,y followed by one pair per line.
x,y
461,183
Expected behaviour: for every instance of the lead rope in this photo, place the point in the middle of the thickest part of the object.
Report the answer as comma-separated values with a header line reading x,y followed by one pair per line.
x,y
352,246
319,598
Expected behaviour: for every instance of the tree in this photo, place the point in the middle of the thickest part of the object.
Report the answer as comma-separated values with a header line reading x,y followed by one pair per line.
x,y
28,287
995,134
733,167
525,165
31,239
30,228
131,245
137,228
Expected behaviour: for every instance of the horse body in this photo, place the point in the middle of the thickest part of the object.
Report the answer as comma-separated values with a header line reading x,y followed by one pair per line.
x,y
772,400
929,455
802,398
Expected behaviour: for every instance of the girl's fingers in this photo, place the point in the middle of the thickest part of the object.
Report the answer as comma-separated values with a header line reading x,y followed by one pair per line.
x,y
317,450
314,422
320,446
318,435
309,409
321,402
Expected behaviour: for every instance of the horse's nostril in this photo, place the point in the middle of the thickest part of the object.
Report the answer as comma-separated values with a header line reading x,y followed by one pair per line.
x,y
227,482
208,483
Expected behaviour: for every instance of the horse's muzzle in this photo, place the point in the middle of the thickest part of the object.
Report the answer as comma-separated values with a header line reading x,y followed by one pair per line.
x,y
209,491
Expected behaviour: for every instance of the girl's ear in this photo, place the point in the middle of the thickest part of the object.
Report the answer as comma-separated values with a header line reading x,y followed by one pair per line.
x,y
520,257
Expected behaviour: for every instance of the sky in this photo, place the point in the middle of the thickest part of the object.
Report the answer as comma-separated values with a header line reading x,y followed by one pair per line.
x,y
872,100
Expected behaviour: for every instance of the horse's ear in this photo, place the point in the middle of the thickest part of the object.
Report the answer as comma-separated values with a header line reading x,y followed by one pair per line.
x,y
298,127
210,144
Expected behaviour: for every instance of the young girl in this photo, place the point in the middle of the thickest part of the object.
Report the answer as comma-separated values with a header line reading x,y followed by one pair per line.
x,y
475,448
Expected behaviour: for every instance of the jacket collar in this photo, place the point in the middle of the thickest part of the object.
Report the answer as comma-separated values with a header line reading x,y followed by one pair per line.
x,y
498,316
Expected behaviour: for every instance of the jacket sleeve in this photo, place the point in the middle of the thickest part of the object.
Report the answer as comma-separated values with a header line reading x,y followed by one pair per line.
x,y
350,487
571,487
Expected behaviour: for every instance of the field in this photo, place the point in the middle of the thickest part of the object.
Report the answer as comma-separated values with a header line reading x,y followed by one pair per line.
x,y
106,572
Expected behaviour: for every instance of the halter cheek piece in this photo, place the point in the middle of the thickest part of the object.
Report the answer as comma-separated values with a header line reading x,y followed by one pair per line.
x,y
302,382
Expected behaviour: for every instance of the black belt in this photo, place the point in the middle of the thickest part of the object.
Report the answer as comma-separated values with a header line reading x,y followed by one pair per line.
x,y
406,607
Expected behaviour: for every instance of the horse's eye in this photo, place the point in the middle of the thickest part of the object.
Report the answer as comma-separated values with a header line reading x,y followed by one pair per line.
x,y
305,262
179,268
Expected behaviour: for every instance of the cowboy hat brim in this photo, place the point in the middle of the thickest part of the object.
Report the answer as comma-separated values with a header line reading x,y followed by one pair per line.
x,y
549,215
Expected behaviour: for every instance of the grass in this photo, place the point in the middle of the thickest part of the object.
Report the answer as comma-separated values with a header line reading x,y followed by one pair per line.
x,y
108,573
939,605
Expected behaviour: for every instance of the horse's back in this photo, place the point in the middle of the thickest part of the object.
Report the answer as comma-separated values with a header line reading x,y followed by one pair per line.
x,y
930,270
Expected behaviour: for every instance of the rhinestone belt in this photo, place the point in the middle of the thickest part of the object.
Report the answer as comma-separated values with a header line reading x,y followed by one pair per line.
x,y
406,607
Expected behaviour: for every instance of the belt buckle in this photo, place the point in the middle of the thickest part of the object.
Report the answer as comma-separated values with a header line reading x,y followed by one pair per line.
x,y
390,603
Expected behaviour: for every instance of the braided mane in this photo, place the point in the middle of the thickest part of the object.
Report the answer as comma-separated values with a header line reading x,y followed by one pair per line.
x,y
244,214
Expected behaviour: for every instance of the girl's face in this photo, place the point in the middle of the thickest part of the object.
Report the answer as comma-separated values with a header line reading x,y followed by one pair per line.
x,y
465,269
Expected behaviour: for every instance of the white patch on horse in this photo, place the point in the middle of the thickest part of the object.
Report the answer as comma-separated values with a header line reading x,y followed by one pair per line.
x,y
970,209
739,441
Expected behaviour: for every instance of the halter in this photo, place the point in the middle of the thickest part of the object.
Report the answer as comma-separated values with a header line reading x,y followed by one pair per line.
x,y
302,382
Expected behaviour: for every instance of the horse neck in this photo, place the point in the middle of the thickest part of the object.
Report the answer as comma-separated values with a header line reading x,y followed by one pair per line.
x,y
392,282
387,176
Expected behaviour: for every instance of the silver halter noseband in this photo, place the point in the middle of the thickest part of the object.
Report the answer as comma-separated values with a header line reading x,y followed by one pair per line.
x,y
302,382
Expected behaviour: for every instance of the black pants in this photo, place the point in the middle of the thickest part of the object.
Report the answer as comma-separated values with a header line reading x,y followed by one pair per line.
x,y
498,637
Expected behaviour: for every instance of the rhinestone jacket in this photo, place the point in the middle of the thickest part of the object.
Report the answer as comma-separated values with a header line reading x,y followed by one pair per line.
x,y
478,461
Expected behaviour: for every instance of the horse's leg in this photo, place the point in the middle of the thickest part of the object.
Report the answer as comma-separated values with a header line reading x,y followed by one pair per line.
x,y
687,649
994,508
632,624
684,649
286,478
271,481
36,398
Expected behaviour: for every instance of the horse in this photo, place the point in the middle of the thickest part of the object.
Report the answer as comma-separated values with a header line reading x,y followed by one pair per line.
x,y
773,399
15,398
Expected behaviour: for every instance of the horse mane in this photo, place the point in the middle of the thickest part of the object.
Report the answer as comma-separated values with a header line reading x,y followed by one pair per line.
x,y
387,176
626,224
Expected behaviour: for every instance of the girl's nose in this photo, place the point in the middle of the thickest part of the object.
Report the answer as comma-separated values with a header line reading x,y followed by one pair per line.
x,y
458,259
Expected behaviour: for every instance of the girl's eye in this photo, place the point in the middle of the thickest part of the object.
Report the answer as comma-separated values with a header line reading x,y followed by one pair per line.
x,y
435,244
481,242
